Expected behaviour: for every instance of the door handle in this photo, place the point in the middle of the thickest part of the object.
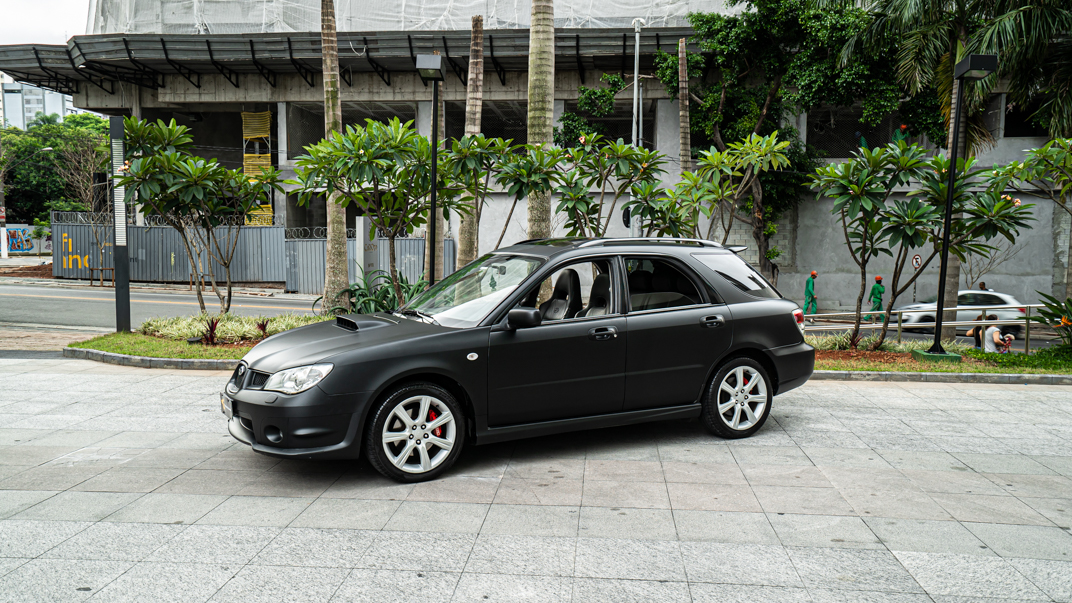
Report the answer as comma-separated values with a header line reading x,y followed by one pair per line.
x,y
712,321
602,333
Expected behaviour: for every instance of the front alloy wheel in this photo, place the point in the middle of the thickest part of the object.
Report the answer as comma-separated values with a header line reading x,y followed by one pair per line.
x,y
416,433
738,399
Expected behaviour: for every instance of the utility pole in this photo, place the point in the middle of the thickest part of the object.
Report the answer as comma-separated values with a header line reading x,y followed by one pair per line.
x,y
638,24
120,257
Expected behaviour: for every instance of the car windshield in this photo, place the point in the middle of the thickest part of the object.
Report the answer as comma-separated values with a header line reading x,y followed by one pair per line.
x,y
464,298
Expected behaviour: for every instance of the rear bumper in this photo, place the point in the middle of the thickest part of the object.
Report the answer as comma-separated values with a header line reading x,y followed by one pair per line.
x,y
795,365
305,425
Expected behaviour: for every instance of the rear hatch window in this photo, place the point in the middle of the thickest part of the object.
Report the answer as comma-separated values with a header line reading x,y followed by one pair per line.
x,y
739,273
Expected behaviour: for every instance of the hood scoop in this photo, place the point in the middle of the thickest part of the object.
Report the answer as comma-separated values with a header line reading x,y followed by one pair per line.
x,y
359,322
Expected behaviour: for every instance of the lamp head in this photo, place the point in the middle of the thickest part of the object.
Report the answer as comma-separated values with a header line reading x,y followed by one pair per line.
x,y
975,67
47,149
430,67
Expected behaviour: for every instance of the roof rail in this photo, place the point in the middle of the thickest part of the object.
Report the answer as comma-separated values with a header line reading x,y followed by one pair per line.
x,y
702,242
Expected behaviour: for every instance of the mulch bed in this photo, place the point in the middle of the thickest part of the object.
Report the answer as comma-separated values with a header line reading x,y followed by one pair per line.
x,y
28,271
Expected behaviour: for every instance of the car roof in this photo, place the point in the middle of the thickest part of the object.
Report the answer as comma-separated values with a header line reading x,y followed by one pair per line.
x,y
549,248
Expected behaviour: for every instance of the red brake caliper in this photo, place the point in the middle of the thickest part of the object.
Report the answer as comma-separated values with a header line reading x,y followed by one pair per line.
x,y
438,431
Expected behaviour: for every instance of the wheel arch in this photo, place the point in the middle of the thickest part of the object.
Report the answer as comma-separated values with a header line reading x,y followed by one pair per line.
x,y
753,354
451,385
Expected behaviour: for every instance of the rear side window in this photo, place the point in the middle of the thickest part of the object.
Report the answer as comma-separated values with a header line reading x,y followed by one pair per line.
x,y
739,273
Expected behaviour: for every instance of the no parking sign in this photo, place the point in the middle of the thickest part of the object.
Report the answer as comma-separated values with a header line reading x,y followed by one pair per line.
x,y
917,261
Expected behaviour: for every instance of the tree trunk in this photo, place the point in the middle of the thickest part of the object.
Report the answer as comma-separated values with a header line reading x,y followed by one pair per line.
x,y
441,225
952,267
859,303
1068,266
684,131
541,103
393,266
336,275
469,230
759,233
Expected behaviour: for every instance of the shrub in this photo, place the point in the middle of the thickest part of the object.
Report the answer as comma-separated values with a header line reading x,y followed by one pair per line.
x,y
231,328
843,341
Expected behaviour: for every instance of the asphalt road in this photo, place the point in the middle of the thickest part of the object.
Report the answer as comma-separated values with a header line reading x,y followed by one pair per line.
x,y
96,307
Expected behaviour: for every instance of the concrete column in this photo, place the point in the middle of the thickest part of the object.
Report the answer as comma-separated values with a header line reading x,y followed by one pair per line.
x,y
667,138
279,199
367,256
559,109
424,117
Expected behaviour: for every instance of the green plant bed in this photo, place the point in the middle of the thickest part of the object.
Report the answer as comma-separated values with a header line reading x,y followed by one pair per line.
x,y
136,344
231,328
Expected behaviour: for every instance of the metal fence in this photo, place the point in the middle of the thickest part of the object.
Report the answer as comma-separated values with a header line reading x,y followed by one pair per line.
x,y
264,254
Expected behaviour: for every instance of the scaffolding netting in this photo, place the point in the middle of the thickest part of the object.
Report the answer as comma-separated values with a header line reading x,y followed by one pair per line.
x,y
274,16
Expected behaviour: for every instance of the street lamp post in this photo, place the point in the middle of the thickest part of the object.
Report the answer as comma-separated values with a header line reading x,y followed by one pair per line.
x,y
430,68
3,207
638,128
973,67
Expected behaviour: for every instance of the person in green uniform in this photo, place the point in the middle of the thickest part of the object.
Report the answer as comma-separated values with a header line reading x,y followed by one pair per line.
x,y
811,303
901,134
877,291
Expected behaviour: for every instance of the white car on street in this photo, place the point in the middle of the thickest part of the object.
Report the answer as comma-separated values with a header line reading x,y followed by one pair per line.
x,y
924,311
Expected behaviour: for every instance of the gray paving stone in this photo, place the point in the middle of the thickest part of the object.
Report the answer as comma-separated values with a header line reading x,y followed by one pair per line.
x,y
823,531
813,501
1057,510
256,511
629,559
458,489
299,485
346,513
1004,463
1039,486
166,582
167,508
637,495
903,504
78,506
47,477
75,438
713,497
737,593
927,536
617,522
1053,577
927,461
176,458
10,564
272,584
478,588
223,545
199,481
728,473
309,547
32,455
542,491
522,555
753,564
115,542
128,479
595,590
437,517
820,595
395,586
992,509
16,501
532,520
724,526
785,475
419,551
32,538
968,576
1033,542
955,482
769,455
58,580
549,468
851,569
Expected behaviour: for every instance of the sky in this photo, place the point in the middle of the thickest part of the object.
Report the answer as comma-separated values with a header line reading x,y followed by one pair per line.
x,y
42,21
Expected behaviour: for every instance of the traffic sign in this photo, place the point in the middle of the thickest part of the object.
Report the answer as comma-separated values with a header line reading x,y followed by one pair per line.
x,y
917,261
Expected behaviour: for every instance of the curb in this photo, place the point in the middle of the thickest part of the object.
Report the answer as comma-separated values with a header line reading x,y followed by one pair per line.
x,y
201,364
1007,378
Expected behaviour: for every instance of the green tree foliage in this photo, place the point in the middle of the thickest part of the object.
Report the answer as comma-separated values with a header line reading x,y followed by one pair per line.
x,y
591,103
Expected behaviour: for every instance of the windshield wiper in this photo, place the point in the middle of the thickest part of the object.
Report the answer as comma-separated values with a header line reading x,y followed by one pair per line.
x,y
419,314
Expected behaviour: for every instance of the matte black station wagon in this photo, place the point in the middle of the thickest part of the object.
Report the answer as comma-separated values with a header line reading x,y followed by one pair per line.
x,y
543,337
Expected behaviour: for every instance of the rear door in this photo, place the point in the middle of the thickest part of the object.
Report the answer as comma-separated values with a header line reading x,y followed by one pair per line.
x,y
676,333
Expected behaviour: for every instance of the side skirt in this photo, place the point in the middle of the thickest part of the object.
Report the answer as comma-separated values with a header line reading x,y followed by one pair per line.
x,y
491,435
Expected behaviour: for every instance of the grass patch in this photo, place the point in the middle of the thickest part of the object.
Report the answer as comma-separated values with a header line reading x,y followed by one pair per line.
x,y
842,341
972,362
231,329
136,344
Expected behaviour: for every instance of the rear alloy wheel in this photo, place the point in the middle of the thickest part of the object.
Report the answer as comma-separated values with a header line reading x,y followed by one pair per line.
x,y
416,433
738,400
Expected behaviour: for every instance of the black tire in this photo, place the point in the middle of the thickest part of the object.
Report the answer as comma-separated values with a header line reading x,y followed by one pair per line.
x,y
757,398
411,396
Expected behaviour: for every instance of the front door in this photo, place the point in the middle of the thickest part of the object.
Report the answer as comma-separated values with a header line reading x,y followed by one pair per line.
x,y
573,364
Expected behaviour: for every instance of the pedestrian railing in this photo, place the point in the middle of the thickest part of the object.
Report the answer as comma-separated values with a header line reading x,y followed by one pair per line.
x,y
878,315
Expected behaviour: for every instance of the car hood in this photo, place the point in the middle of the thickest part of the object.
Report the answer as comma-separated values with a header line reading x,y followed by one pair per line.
x,y
317,342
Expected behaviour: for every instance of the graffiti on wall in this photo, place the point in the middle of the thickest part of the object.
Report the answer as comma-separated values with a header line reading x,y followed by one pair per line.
x,y
20,239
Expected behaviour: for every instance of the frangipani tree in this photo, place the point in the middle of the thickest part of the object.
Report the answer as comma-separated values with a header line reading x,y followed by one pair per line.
x,y
531,174
382,168
472,162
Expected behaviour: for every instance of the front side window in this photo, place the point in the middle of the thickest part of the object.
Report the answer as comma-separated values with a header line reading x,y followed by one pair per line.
x,y
655,284
577,290
739,273
464,298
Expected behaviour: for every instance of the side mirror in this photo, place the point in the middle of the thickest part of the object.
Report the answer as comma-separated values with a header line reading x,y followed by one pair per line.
x,y
523,318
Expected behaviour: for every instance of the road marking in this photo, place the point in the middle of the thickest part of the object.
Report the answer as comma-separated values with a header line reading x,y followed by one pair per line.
x,y
145,301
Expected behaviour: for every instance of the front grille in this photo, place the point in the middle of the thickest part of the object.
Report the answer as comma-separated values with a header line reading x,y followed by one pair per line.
x,y
257,379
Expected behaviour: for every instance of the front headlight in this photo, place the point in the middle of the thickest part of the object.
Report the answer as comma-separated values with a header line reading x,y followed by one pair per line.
x,y
298,379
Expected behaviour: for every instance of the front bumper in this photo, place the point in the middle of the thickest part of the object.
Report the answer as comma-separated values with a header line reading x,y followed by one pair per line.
x,y
310,424
795,365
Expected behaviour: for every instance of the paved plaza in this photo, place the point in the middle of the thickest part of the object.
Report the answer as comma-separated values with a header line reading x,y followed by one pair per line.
x,y
120,484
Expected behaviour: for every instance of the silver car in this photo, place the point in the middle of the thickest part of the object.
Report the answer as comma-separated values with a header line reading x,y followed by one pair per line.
x,y
966,300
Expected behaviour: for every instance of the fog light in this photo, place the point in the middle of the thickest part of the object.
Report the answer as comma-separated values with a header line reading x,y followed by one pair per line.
x,y
273,434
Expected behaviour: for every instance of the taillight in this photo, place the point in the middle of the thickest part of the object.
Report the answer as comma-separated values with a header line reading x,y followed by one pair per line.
x,y
798,314
1022,310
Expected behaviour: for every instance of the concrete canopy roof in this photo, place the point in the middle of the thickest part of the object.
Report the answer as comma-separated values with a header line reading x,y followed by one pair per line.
x,y
103,60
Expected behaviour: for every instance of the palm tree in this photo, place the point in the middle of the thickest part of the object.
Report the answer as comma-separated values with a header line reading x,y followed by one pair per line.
x,y
684,130
541,103
1033,40
43,119
336,276
469,230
